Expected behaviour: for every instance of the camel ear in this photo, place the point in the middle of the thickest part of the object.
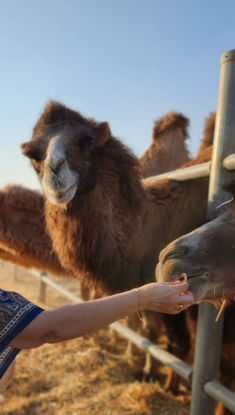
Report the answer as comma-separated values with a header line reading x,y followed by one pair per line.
x,y
28,150
103,133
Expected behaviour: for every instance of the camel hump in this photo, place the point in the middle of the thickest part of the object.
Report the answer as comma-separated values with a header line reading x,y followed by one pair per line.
x,y
170,121
208,132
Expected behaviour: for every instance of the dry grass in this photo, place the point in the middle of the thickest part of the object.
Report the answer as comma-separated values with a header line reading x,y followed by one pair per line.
x,y
87,376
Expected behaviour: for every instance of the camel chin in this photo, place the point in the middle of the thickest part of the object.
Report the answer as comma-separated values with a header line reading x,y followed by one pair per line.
x,y
58,197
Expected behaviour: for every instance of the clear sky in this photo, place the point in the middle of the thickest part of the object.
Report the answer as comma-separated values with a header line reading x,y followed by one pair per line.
x,y
123,61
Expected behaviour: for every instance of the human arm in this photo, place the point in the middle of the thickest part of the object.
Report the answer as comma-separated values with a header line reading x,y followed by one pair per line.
x,y
76,320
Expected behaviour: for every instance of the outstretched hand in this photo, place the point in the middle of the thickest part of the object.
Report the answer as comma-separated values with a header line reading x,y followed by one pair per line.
x,y
167,297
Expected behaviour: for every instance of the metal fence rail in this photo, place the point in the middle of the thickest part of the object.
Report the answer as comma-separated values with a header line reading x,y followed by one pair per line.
x,y
192,172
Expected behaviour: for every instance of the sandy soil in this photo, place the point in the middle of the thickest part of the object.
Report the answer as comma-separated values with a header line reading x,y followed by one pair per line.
x,y
88,376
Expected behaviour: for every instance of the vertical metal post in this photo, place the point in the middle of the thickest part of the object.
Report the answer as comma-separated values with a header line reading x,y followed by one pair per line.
x,y
42,288
209,333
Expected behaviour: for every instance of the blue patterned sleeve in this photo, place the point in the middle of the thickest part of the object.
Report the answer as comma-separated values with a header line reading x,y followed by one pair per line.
x,y
16,312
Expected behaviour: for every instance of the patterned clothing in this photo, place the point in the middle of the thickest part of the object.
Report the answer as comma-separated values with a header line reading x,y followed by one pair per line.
x,y
15,314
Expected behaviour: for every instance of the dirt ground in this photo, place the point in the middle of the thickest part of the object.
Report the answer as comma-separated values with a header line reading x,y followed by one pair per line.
x,y
88,376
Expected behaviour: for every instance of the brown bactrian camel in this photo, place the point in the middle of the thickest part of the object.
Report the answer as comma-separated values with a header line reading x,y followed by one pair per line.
x,y
156,207
168,150
208,133
107,228
207,256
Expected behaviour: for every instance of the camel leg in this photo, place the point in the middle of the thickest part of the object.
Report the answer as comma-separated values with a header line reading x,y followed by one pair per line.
x,y
179,344
135,324
152,325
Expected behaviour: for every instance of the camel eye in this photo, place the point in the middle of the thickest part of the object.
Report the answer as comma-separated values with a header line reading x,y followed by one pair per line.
x,y
87,143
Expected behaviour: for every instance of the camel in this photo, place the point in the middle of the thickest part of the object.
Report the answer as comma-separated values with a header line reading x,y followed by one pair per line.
x,y
208,133
110,232
207,257
97,187
128,223
168,150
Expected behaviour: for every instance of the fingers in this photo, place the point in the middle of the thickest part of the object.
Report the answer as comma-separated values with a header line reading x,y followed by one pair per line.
x,y
182,286
187,299
179,308
172,282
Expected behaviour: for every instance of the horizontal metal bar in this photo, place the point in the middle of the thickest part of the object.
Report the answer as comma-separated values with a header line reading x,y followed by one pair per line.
x,y
168,359
188,173
192,172
229,162
57,287
218,392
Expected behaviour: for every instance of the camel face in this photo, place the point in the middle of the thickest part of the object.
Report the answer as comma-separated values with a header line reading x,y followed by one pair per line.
x,y
63,151
207,256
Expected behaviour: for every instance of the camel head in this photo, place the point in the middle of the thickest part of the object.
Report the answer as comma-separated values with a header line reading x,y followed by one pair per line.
x,y
207,256
63,151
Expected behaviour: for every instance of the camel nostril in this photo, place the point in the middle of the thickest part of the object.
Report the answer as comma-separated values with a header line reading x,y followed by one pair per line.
x,y
175,253
55,165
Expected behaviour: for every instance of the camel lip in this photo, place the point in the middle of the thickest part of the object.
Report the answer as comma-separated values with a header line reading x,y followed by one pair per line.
x,y
203,274
61,196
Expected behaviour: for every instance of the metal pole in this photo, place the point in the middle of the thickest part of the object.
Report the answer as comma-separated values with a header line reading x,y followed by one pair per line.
x,y
209,333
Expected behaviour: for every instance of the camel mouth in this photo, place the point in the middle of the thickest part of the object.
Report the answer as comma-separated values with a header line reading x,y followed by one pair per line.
x,y
202,273
58,197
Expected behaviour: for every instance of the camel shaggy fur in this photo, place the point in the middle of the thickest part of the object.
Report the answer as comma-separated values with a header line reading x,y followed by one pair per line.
x,y
110,233
106,226
168,150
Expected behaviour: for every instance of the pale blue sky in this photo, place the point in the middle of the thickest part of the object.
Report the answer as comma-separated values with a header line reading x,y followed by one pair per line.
x,y
123,61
